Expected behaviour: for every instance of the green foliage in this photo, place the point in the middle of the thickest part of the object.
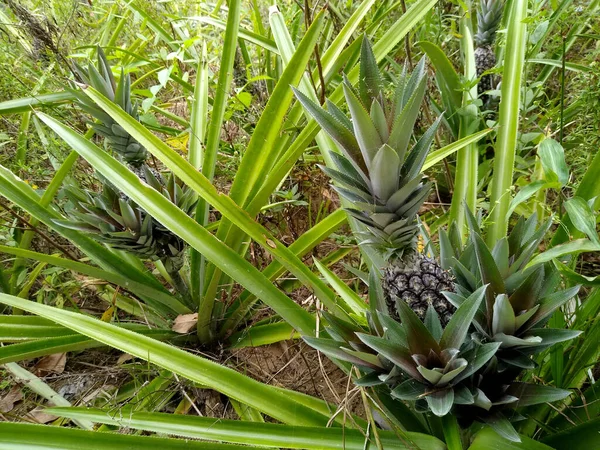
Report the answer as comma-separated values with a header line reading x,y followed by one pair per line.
x,y
129,229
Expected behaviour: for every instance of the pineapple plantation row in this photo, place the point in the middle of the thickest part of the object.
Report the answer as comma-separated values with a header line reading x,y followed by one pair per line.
x,y
401,196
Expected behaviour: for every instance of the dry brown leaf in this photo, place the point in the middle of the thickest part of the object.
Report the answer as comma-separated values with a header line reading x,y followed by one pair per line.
x,y
105,392
108,314
38,415
9,400
51,364
124,358
184,323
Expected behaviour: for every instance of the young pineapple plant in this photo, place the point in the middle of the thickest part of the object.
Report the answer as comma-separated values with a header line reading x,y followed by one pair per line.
x,y
520,297
110,216
117,221
119,140
451,370
418,361
381,181
489,14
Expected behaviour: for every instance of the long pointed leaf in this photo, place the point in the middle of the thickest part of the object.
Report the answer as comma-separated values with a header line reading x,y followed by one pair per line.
x,y
456,330
195,368
249,433
184,226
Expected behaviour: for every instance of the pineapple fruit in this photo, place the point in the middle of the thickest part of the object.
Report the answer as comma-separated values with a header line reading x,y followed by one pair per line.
x,y
381,180
489,14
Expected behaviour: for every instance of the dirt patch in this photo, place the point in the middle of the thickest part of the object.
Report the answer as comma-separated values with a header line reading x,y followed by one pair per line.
x,y
295,366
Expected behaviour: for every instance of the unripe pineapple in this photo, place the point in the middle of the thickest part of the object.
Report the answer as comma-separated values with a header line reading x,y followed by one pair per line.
x,y
488,19
418,281
382,180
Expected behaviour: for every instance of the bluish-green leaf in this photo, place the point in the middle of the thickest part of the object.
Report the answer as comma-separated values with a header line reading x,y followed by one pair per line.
x,y
456,330
440,402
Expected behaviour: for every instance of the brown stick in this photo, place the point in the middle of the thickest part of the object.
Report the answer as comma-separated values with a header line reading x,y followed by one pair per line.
x,y
407,39
43,235
308,22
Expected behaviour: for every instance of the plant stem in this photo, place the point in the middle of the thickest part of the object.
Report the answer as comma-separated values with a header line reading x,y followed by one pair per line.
x,y
205,307
22,138
452,432
196,155
508,121
467,159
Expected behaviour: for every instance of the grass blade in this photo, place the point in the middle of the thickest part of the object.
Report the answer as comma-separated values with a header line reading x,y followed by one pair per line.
x,y
44,437
467,159
252,433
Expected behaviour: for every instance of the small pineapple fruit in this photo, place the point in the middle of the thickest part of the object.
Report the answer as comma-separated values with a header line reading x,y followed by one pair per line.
x,y
488,19
381,179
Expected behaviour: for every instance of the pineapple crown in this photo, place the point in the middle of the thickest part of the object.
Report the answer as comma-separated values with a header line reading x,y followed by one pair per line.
x,y
520,296
102,79
375,172
489,14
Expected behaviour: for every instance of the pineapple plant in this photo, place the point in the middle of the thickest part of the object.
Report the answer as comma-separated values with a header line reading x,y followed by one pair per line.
x,y
117,221
110,216
451,370
381,179
119,140
489,14
419,361
472,367
520,296
450,337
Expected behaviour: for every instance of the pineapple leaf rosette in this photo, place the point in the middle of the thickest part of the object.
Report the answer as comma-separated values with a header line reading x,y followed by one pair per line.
x,y
109,216
420,361
450,337
521,295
